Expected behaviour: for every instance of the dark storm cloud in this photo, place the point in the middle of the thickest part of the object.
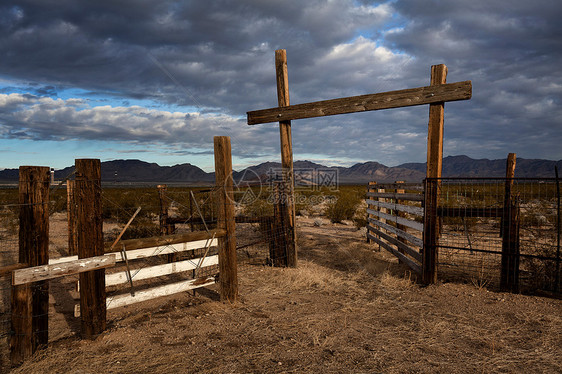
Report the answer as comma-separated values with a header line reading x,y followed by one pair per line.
x,y
218,57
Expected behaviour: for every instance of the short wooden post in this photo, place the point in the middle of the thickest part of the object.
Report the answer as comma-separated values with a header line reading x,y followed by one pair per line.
x,y
509,279
90,243
288,211
71,217
228,268
30,302
434,167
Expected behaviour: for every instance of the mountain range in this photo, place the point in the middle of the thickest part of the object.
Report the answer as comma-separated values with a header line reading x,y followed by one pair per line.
x,y
306,172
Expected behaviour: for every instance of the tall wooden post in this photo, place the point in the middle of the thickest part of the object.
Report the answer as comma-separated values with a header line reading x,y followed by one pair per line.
x,y
71,217
509,279
90,243
30,302
288,211
228,268
434,167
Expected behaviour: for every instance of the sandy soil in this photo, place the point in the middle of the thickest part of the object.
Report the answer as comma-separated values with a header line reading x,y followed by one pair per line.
x,y
345,308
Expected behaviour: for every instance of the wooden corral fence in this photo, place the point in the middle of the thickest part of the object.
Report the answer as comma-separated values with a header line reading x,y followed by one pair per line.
x,y
406,222
30,277
395,219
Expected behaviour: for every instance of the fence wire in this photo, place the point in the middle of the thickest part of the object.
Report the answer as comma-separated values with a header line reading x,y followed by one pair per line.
x,y
470,244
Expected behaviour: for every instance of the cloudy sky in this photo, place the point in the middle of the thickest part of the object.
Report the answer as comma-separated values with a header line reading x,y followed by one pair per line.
x,y
156,80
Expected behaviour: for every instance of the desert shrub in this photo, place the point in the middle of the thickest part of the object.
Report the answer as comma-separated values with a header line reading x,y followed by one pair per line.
x,y
360,216
343,207
258,208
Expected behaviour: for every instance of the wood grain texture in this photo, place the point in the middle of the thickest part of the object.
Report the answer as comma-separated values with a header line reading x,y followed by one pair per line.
x,y
287,206
434,168
379,101
392,218
90,244
44,272
30,303
228,267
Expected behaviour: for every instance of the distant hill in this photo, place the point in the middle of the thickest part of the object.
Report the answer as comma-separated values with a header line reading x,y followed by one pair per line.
x,y
307,172
464,166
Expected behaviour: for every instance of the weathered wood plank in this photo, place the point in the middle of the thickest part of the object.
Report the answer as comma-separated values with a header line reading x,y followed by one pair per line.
x,y
398,207
151,293
392,195
158,241
160,270
409,237
150,251
44,272
408,261
409,250
403,221
385,100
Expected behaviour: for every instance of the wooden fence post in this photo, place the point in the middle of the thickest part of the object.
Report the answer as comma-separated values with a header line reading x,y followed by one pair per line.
x,y
30,302
165,227
509,280
434,167
71,217
228,268
90,243
288,211
370,188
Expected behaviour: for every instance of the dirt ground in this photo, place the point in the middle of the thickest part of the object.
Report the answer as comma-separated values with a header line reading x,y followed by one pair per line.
x,y
345,309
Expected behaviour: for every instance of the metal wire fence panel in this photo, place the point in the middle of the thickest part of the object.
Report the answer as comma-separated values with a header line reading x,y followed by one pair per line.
x,y
475,220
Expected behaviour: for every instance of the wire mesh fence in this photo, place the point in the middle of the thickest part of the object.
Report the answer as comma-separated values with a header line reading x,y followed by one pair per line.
x,y
475,220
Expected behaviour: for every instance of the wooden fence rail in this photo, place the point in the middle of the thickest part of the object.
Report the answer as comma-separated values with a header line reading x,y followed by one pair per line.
x,y
388,222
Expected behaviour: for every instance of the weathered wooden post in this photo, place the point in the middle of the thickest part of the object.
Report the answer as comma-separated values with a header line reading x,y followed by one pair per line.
x,y
509,279
370,188
30,302
71,217
90,243
228,268
165,227
164,205
288,208
432,187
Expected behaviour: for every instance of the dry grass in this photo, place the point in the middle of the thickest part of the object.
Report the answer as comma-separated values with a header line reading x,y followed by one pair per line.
x,y
345,309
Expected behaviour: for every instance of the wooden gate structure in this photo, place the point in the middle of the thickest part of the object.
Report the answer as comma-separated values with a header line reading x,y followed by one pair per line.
x,y
436,94
31,275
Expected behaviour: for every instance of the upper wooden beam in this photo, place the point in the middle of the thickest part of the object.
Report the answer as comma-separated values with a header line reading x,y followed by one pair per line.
x,y
385,100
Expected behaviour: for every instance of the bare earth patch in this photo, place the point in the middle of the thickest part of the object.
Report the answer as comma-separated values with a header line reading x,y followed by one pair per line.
x,y
344,309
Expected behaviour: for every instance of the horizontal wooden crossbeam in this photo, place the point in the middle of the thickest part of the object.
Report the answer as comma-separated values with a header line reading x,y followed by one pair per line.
x,y
385,100
44,272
